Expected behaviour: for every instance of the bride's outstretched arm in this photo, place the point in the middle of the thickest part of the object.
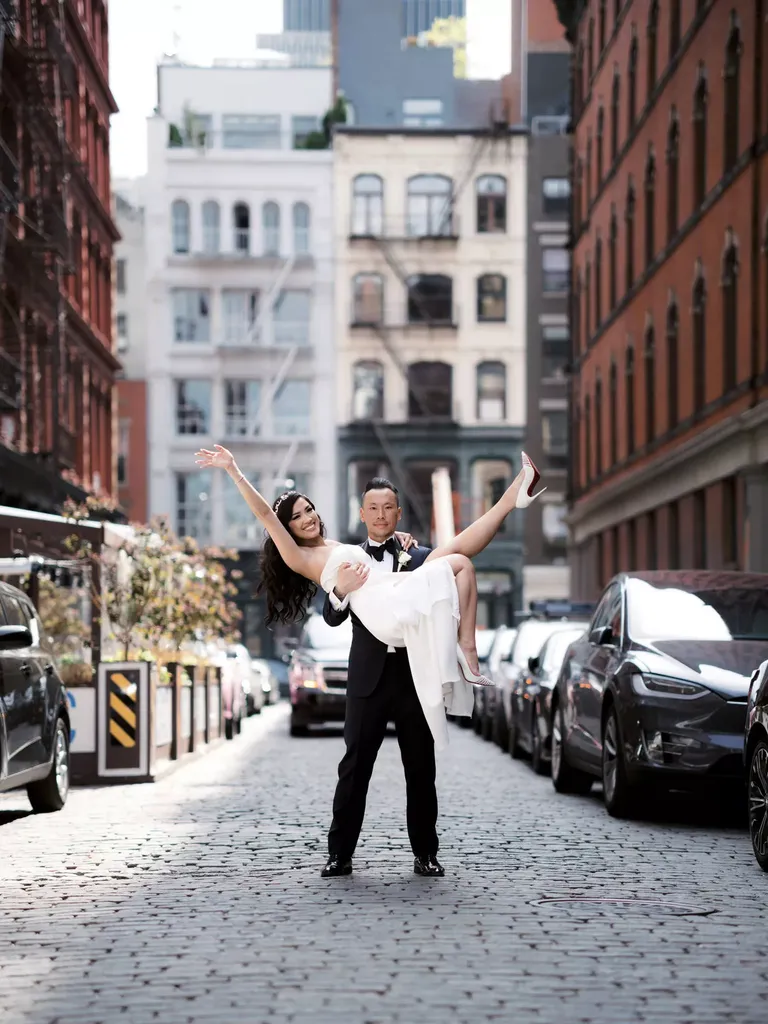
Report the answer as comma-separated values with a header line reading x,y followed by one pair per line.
x,y
295,557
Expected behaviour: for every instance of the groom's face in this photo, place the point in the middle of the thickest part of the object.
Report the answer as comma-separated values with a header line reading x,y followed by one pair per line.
x,y
380,513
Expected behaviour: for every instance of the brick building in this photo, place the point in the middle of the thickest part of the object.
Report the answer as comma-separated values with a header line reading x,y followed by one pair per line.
x,y
669,418
57,367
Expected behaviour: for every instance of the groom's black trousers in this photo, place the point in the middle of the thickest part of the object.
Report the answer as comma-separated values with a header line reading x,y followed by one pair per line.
x,y
365,725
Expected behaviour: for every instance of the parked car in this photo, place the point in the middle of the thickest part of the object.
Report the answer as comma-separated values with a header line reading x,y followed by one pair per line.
x,y
267,678
655,693
483,642
485,696
34,721
245,681
756,759
279,670
318,674
531,699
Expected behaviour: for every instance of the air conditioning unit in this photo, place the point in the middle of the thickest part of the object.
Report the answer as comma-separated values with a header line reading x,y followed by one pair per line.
x,y
549,124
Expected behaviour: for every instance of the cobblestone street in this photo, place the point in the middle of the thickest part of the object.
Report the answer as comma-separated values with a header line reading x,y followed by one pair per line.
x,y
199,899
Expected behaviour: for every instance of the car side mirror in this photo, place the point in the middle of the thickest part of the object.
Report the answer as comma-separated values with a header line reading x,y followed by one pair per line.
x,y
13,638
533,664
601,637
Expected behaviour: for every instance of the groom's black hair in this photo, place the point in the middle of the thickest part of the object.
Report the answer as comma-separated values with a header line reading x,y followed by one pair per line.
x,y
380,483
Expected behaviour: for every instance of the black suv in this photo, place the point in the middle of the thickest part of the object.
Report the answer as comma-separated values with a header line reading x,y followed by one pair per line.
x,y
34,722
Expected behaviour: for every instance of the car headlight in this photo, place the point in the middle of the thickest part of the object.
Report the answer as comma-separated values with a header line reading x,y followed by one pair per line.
x,y
660,686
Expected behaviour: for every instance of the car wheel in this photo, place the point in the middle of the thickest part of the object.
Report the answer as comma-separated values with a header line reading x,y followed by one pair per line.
x,y
486,726
620,796
500,732
539,765
298,730
50,793
513,735
757,780
477,721
565,778
229,729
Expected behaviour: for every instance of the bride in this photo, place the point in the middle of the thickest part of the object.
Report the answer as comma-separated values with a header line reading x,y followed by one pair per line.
x,y
399,609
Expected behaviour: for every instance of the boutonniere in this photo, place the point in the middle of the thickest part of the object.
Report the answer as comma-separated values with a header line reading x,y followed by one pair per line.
x,y
403,558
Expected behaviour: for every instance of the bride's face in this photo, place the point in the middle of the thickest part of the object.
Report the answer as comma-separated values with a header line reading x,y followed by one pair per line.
x,y
304,523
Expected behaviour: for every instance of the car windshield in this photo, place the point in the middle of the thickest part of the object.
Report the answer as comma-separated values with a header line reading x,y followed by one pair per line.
x,y
484,642
557,645
318,635
530,640
681,611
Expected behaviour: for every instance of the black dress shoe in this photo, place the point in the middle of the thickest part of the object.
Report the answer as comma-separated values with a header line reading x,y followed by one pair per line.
x,y
336,866
428,866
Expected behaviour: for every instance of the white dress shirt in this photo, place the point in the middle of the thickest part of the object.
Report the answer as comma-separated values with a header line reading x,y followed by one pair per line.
x,y
387,564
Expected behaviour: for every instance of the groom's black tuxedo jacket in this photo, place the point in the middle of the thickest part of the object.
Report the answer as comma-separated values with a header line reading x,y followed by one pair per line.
x,y
367,655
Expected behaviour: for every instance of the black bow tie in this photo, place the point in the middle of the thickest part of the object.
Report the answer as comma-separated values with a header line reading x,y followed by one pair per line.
x,y
377,550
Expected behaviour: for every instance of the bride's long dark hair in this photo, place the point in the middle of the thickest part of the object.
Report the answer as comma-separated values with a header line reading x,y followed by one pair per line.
x,y
289,594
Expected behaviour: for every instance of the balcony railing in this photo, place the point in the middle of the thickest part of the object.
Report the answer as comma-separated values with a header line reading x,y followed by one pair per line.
x,y
9,174
431,315
278,333
438,226
8,14
10,383
48,233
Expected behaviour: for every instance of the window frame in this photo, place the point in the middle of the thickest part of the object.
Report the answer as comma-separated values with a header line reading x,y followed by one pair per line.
x,y
499,296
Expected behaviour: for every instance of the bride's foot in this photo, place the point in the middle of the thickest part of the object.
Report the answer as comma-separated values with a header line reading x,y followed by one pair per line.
x,y
470,653
531,477
467,657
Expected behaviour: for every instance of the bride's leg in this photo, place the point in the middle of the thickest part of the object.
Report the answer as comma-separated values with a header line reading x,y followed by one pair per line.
x,y
466,584
478,535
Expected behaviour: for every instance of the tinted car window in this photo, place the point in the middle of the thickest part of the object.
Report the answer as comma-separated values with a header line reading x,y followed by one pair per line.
x,y
14,613
556,647
530,640
484,642
675,612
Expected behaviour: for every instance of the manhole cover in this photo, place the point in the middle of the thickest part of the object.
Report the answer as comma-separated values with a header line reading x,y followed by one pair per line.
x,y
622,906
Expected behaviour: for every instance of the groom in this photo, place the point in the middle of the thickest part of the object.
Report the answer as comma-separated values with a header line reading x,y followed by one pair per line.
x,y
379,690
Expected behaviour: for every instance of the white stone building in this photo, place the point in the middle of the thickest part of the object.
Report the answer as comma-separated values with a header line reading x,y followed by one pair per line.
x,y
239,293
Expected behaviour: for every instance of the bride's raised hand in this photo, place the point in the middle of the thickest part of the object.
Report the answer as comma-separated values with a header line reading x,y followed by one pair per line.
x,y
219,458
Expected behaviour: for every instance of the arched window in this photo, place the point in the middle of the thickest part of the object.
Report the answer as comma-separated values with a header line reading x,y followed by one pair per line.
x,y
652,43
180,225
579,80
674,27
598,281
241,224
578,457
629,217
491,392
589,172
591,49
650,206
730,272
578,215
673,332
700,102
629,387
632,85
598,425
270,229
300,229
649,351
368,299
699,324
211,226
599,144
491,298
731,95
588,439
615,100
588,303
613,238
576,313
601,19
673,176
613,415
368,390
491,204
430,299
367,206
430,206
430,391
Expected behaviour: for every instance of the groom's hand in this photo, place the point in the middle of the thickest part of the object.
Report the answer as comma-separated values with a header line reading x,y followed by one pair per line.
x,y
351,577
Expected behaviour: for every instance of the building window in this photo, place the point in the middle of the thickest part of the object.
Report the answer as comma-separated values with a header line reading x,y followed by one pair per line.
x,y
579,89
615,101
301,128
650,207
649,351
598,282
673,183
120,276
193,407
430,299
422,113
673,553
700,530
251,131
730,525
291,409
556,195
599,425
368,299
632,545
368,390
700,103
291,318
673,332
629,227
578,214
613,413
430,202
193,506
731,96
180,225
588,439
555,351
588,302
613,238
653,45
239,312
301,229
591,50
491,392
123,443
554,433
211,226
599,133
699,311
367,206
270,227
122,332
730,272
191,314
629,384
491,204
556,270
576,314
490,479
242,529
242,406
430,391
652,559
553,523
589,172
491,298
241,224
632,84
674,27
601,19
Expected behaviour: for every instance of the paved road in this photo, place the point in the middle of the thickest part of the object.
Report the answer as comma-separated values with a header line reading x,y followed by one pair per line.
x,y
199,899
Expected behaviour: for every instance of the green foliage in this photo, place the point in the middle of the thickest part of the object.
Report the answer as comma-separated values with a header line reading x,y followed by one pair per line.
x,y
174,136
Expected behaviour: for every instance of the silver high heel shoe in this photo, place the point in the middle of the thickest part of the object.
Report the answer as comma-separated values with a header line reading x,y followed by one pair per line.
x,y
531,477
467,672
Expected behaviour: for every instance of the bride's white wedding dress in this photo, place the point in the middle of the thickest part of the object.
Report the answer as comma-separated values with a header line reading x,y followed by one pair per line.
x,y
417,610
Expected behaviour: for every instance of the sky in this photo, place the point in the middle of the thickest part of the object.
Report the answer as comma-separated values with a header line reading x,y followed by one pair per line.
x,y
140,31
